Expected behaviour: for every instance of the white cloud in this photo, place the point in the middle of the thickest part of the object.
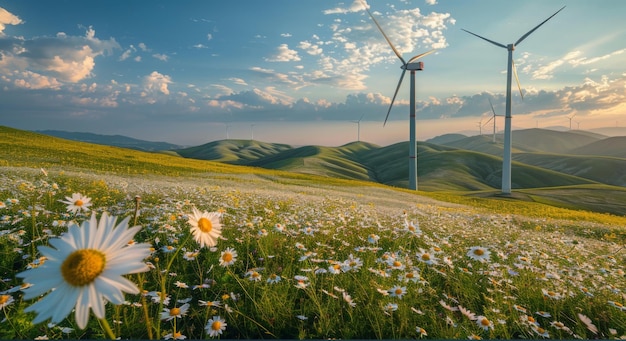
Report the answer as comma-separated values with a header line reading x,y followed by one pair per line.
x,y
284,54
7,18
156,83
161,57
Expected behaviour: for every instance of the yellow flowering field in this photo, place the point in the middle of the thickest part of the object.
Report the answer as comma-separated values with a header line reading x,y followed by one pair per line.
x,y
94,255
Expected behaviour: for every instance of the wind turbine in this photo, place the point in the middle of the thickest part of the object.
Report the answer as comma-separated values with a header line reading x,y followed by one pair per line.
x,y
412,66
358,132
228,131
252,132
570,121
493,117
506,159
480,127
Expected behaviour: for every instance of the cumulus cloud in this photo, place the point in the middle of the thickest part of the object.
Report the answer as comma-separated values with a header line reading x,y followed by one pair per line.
x,y
7,18
154,85
284,54
63,57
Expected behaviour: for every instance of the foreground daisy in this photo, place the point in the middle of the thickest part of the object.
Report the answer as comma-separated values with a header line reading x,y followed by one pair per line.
x,y
84,270
205,227
479,253
228,257
215,326
77,203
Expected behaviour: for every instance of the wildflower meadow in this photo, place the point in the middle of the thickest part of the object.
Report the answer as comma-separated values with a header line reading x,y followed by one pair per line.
x,y
90,255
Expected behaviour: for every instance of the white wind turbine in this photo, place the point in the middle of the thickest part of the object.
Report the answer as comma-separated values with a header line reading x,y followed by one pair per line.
x,y
412,66
493,117
506,159
570,121
358,129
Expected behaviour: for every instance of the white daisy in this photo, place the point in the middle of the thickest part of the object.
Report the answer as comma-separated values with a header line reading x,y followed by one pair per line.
x,y
479,253
215,326
77,203
169,314
228,257
84,270
205,227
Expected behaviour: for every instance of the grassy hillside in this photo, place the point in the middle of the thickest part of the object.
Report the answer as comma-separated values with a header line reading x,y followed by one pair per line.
x,y
240,152
111,140
607,170
441,168
612,146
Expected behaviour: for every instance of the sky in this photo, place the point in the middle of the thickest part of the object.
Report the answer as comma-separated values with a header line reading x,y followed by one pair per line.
x,y
304,72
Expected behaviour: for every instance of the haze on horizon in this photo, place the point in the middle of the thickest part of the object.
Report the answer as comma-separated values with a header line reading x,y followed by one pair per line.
x,y
304,71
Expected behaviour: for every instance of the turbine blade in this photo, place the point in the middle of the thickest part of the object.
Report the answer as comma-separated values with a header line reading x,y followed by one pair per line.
x,y
536,27
363,114
384,35
420,55
394,95
489,120
519,86
489,40
492,109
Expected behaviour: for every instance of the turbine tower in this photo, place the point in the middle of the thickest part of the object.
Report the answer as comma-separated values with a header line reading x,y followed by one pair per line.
x,y
506,159
411,65
358,129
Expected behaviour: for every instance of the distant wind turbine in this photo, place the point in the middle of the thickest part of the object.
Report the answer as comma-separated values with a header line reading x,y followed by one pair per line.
x,y
252,132
358,131
412,66
227,131
506,159
570,121
480,127
493,117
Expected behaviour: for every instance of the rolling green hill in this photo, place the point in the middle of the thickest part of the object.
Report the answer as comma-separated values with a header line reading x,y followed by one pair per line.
x,y
460,173
612,146
529,140
239,152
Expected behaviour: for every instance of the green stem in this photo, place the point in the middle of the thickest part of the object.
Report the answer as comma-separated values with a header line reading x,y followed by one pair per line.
x,y
107,329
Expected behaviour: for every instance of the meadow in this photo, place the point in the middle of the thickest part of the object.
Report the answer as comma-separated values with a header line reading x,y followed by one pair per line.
x,y
305,257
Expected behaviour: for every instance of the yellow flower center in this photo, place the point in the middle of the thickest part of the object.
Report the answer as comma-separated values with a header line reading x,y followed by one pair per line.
x,y
426,257
409,275
398,291
4,299
485,322
337,266
540,330
78,203
83,266
177,335
479,252
216,325
205,225
175,312
397,264
227,257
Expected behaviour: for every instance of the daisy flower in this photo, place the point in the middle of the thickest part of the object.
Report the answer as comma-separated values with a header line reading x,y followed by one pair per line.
x,y
484,323
5,301
215,326
228,257
421,331
84,270
348,299
77,203
174,336
587,321
205,227
169,314
273,278
479,253
397,291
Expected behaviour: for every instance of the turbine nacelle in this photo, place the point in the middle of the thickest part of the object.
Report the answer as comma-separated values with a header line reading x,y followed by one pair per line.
x,y
416,66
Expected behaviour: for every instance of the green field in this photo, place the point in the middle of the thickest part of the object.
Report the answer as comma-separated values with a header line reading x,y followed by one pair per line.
x,y
355,259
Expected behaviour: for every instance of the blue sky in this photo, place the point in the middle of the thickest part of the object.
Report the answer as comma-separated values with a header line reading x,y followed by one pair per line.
x,y
299,72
